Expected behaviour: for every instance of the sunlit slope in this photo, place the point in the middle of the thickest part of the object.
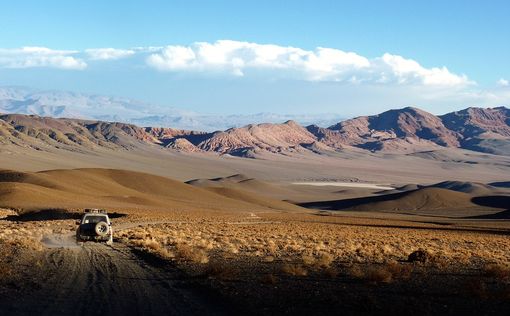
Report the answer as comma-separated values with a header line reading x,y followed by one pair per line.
x,y
118,190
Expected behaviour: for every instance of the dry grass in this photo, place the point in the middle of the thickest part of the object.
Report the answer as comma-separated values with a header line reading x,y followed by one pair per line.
x,y
16,240
499,271
331,272
378,274
325,260
308,260
356,272
6,254
322,244
189,253
221,270
381,273
292,240
156,248
270,279
398,270
154,242
294,270
295,243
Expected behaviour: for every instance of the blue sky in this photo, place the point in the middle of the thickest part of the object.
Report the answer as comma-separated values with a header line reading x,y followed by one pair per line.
x,y
348,57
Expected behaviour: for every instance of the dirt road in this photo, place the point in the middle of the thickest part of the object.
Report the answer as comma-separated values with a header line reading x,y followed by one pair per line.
x,y
96,279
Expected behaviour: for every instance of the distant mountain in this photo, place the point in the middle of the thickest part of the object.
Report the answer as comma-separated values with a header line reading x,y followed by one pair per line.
x,y
402,131
61,104
486,130
45,133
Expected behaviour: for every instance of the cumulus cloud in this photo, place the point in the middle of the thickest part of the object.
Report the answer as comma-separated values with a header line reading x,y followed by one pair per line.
x,y
237,57
322,64
503,83
240,58
29,57
404,70
108,53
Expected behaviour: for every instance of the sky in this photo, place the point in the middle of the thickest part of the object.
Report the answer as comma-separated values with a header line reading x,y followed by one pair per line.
x,y
239,57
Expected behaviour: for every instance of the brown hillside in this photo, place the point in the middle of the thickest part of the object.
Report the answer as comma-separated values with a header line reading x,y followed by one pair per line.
x,y
402,124
241,182
118,190
253,198
268,137
406,130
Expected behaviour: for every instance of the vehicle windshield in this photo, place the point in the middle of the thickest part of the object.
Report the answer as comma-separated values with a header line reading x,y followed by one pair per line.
x,y
93,219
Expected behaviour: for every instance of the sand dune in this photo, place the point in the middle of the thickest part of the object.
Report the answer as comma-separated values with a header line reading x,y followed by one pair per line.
x,y
119,190
473,188
245,196
244,183
429,200
403,188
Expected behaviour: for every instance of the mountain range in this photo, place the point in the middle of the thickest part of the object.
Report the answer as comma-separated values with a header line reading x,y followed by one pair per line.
x,y
406,130
62,104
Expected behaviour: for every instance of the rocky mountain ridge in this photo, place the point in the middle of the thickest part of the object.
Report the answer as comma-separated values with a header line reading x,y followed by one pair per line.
x,y
403,131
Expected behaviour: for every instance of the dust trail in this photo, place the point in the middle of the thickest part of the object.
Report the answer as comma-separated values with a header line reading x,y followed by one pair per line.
x,y
60,241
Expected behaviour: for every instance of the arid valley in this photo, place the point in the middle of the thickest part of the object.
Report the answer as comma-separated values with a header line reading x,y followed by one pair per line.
x,y
402,212
325,157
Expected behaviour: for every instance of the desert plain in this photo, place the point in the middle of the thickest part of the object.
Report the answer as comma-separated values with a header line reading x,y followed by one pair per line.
x,y
281,231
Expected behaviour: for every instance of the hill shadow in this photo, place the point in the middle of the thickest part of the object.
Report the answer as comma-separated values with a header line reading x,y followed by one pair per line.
x,y
348,203
51,215
502,184
495,201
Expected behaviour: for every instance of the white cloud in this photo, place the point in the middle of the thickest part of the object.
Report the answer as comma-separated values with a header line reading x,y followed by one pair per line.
x,y
108,53
321,64
404,70
237,57
174,58
503,83
29,57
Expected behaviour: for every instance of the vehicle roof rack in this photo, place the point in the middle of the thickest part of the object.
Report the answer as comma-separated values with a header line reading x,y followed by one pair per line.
x,y
94,210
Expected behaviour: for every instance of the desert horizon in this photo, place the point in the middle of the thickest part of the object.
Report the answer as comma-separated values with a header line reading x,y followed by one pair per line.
x,y
254,158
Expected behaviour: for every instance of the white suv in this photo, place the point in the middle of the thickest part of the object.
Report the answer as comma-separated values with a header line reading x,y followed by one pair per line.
x,y
95,225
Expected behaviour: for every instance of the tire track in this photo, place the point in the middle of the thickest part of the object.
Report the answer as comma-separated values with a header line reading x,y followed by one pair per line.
x,y
96,279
